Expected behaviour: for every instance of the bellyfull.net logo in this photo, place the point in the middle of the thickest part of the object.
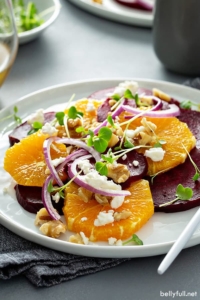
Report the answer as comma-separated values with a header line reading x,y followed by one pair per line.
x,y
172,294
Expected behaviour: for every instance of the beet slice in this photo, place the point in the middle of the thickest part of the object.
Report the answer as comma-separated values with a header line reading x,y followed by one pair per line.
x,y
21,131
30,198
136,173
136,4
164,186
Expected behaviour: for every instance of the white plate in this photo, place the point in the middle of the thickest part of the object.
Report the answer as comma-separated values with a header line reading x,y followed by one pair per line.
x,y
113,11
27,36
161,230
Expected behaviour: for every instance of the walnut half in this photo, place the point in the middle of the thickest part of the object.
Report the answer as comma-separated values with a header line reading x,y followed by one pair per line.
x,y
51,228
119,172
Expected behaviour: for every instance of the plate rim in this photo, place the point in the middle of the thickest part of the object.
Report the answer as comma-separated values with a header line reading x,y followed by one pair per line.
x,y
139,251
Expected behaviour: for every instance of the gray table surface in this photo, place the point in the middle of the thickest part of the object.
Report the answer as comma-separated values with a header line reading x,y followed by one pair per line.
x,y
82,46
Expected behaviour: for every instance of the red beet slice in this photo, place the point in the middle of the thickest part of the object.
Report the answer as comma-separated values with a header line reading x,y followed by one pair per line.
x,y
137,4
30,198
164,186
136,173
21,131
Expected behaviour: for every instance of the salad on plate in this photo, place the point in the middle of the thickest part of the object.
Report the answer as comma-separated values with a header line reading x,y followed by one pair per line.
x,y
102,167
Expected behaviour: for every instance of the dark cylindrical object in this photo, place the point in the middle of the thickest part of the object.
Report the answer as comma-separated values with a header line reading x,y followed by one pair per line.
x,y
176,35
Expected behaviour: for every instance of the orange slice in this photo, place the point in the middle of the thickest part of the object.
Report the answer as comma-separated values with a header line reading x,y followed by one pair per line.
x,y
25,160
176,134
139,203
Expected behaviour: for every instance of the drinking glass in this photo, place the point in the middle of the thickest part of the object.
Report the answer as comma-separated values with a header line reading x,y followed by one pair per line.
x,y
8,39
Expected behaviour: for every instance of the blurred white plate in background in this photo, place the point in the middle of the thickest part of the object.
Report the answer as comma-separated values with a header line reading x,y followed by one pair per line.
x,y
113,11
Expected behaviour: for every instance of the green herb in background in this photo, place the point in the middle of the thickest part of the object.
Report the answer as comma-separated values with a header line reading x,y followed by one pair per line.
x,y
26,16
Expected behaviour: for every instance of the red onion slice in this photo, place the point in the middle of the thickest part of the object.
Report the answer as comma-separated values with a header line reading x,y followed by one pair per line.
x,y
80,181
46,199
46,149
172,111
80,144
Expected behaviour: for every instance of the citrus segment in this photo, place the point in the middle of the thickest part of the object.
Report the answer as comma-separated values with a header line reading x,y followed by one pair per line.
x,y
82,105
80,216
25,160
176,134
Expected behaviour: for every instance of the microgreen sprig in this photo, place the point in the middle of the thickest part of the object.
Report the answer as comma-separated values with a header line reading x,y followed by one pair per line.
x,y
60,117
135,239
182,193
197,171
14,115
52,189
187,104
35,127
99,142
73,113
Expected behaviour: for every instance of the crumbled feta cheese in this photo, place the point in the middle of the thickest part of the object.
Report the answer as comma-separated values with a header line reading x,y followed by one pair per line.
x,y
130,133
124,157
111,241
104,218
49,129
100,182
83,219
135,163
117,201
90,106
38,116
85,166
156,154
123,86
57,161
84,238
118,243
56,197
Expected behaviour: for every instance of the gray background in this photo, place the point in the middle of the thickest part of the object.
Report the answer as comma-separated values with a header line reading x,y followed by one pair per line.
x,y
82,46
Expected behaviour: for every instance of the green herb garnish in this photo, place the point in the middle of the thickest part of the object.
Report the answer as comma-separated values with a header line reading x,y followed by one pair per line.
x,y
100,142
73,113
135,239
116,97
128,144
187,104
14,115
35,127
182,193
101,168
60,117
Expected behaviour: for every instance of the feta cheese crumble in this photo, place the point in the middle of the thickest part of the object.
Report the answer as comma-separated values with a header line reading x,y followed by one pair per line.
x,y
100,182
135,163
90,107
49,129
57,161
130,133
123,86
85,166
83,219
155,154
56,197
117,201
84,238
104,218
113,241
38,116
